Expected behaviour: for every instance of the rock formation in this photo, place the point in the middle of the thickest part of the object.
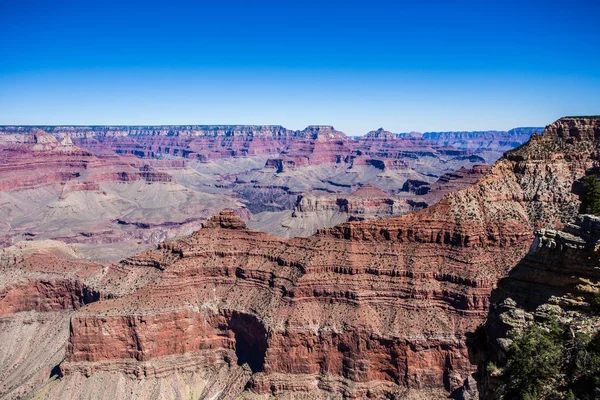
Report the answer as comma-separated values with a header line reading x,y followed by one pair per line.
x,y
41,159
51,189
320,209
447,183
317,210
488,144
264,167
366,309
292,148
282,163
558,279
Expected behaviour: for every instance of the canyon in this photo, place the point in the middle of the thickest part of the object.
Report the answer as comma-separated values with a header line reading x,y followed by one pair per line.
x,y
293,148
319,209
371,308
105,204
116,191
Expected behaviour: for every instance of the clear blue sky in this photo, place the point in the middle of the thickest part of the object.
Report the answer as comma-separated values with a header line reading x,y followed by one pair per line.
x,y
418,65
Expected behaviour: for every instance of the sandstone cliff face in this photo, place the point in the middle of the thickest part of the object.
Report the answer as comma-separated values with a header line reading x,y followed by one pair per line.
x,y
300,322
447,183
365,202
41,284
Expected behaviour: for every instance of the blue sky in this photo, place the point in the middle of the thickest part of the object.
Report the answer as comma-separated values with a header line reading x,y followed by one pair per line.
x,y
420,65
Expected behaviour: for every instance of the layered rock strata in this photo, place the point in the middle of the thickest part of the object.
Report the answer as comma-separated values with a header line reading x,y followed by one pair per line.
x,y
41,159
51,189
365,309
320,209
313,145
264,299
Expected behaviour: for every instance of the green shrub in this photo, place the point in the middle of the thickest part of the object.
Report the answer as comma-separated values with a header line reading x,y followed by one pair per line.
x,y
534,362
595,303
590,203
585,378
545,363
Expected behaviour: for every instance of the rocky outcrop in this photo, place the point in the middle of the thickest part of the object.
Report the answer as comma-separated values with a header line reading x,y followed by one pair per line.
x,y
447,183
45,295
530,186
318,209
365,202
328,147
41,285
558,279
226,219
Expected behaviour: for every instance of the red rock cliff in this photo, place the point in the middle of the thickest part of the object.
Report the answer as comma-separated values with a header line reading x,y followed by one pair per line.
x,y
365,309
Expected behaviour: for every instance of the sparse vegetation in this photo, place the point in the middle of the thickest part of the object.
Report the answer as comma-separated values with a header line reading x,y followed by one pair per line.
x,y
590,203
534,362
585,368
595,303
550,361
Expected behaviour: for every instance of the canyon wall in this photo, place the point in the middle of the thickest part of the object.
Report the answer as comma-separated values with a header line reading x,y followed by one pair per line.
x,y
366,309
291,148
119,190
316,210
53,189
